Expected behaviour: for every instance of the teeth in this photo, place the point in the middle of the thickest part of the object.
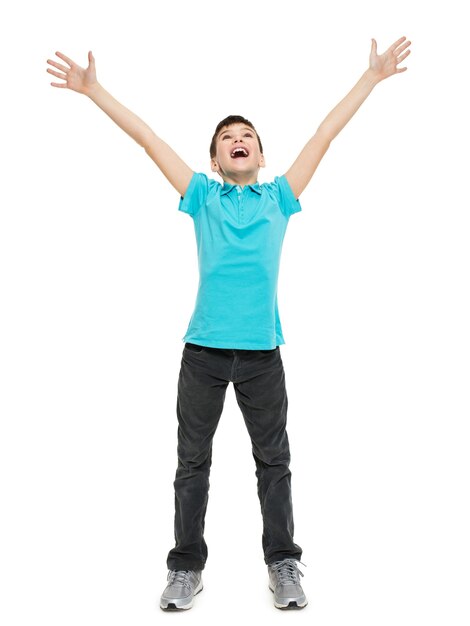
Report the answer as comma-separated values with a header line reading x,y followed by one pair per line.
x,y
240,150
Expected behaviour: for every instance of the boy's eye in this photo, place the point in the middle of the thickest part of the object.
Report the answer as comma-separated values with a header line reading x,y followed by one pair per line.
x,y
248,135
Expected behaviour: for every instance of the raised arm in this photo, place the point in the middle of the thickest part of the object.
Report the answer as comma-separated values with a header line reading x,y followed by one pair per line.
x,y
380,67
84,81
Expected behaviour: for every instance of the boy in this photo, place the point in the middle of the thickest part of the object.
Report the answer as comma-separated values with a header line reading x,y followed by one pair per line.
x,y
235,332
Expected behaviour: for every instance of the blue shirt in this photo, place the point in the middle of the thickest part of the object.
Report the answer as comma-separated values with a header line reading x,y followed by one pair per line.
x,y
239,234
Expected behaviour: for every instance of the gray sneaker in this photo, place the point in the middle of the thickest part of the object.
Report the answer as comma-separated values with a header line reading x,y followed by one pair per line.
x,y
182,586
284,582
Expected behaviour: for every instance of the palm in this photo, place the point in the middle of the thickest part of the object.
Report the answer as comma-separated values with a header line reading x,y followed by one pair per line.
x,y
385,65
76,78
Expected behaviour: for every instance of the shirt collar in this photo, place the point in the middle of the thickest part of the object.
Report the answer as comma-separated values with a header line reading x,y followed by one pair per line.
x,y
227,187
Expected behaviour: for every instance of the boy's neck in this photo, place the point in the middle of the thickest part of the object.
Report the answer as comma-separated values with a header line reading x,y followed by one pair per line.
x,y
241,180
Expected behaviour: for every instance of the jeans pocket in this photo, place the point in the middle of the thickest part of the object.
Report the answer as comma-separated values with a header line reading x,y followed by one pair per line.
x,y
193,347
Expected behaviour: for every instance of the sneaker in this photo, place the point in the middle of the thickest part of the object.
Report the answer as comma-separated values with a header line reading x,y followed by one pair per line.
x,y
284,582
182,586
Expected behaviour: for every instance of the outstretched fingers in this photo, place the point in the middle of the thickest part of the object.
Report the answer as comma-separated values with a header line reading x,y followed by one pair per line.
x,y
61,67
397,43
401,48
65,58
400,52
403,56
58,75
58,66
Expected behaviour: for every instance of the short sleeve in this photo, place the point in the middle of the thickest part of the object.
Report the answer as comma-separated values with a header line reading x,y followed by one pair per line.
x,y
288,203
196,194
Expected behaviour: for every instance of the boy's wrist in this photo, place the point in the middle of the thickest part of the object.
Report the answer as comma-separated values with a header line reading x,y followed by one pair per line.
x,y
371,77
92,90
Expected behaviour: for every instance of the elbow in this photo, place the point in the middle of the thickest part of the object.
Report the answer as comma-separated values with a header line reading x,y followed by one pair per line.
x,y
325,135
145,141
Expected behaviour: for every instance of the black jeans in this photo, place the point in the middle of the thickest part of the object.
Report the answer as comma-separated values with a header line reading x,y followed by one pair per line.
x,y
259,382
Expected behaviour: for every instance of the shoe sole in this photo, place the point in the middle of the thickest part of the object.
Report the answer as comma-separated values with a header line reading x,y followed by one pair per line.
x,y
293,604
173,606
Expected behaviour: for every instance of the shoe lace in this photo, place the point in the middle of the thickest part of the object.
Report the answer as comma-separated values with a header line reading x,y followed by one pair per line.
x,y
179,577
287,571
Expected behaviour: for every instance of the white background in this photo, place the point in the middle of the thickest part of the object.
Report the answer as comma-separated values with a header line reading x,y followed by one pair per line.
x,y
98,282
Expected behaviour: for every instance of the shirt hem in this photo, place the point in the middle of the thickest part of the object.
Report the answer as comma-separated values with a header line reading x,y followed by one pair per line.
x,y
233,345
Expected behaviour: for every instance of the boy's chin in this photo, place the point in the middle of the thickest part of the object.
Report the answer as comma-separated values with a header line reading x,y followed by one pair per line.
x,y
230,174
243,169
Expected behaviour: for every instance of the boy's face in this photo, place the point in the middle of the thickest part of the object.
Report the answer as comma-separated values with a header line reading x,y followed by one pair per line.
x,y
238,157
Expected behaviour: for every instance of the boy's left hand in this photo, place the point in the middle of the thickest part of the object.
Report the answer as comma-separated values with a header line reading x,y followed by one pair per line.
x,y
385,65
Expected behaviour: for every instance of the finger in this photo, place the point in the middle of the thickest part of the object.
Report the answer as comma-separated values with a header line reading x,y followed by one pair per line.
x,y
56,74
402,47
58,66
403,56
397,43
373,47
59,84
64,58
402,69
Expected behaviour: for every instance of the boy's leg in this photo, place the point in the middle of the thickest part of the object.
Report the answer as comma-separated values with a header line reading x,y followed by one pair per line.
x,y
202,384
261,394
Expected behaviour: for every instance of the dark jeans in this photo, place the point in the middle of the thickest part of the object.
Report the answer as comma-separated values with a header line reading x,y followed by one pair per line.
x,y
259,383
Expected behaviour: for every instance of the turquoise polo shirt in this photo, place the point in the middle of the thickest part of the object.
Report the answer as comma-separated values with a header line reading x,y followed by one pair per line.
x,y
239,234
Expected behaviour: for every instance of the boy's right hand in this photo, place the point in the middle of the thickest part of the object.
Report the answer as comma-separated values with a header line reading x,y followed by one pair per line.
x,y
76,78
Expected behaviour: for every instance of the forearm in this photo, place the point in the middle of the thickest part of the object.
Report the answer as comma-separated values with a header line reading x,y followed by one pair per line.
x,y
123,117
337,119
307,162
171,165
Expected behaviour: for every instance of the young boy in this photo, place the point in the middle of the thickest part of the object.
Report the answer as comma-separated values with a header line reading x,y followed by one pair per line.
x,y
235,332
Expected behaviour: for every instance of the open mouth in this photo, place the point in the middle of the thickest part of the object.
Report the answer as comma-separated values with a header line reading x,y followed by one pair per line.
x,y
239,153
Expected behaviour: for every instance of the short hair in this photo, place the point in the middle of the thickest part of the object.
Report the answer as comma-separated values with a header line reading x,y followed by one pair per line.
x,y
228,121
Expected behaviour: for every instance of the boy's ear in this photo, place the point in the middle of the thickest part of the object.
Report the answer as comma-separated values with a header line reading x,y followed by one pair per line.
x,y
262,162
215,167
